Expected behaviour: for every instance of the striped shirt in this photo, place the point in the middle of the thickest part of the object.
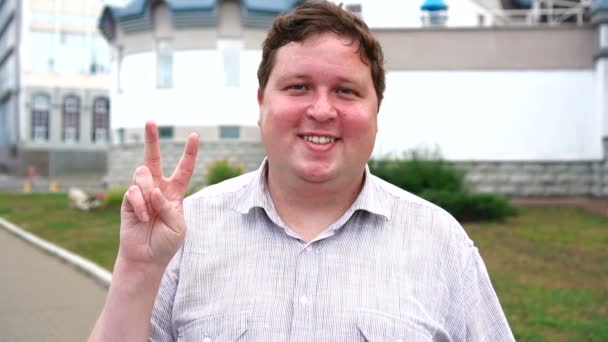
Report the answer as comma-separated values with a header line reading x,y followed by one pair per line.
x,y
393,268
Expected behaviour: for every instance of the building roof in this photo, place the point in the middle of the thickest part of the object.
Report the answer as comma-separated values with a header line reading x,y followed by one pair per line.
x,y
434,5
135,8
269,6
134,15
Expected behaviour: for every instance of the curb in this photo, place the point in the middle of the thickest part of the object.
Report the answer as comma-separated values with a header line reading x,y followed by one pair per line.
x,y
98,273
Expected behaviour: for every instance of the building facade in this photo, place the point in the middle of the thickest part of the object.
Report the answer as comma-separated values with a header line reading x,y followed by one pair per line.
x,y
189,67
519,103
54,88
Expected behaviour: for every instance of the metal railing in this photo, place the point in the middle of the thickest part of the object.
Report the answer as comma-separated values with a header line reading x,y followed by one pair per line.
x,y
542,12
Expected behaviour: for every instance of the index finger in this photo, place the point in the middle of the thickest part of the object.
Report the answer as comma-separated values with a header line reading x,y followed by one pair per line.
x,y
152,151
184,169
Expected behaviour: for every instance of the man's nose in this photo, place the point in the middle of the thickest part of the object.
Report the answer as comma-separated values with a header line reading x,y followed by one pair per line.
x,y
322,108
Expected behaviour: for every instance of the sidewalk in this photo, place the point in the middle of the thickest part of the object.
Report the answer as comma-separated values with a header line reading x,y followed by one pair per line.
x,y
43,299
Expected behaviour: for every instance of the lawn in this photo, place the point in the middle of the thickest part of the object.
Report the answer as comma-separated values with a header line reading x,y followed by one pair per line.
x,y
93,235
549,265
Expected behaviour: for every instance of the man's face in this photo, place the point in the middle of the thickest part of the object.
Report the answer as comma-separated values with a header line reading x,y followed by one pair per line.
x,y
318,112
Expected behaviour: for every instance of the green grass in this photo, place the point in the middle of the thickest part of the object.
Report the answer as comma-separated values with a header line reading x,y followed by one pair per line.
x,y
93,234
548,265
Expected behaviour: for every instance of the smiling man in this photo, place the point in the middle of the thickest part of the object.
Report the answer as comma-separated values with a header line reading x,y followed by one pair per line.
x,y
318,120
311,247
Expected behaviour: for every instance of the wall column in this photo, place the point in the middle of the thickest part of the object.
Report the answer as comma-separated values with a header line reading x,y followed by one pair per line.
x,y
599,18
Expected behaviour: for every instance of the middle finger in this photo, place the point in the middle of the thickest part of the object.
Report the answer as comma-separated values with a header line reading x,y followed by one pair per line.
x,y
143,179
152,152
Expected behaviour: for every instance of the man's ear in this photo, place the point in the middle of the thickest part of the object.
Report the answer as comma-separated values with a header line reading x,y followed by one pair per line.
x,y
260,100
260,96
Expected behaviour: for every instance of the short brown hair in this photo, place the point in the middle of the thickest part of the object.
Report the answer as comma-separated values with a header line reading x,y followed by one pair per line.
x,y
315,17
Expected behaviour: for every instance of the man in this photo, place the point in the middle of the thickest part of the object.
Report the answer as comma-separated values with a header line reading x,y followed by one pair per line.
x,y
311,247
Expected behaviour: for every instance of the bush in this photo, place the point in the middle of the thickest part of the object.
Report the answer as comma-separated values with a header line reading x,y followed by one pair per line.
x,y
113,198
221,170
419,171
434,179
471,207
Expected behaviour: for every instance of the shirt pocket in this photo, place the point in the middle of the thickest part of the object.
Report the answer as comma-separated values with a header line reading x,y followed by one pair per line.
x,y
378,326
218,328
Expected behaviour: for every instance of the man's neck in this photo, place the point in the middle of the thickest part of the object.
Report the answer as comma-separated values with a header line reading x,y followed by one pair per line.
x,y
309,208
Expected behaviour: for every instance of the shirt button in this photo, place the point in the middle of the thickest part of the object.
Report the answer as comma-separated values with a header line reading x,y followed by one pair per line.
x,y
303,300
309,249
206,339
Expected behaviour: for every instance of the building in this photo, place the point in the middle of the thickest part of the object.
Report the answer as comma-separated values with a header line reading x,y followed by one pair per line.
x,y
517,98
189,66
54,88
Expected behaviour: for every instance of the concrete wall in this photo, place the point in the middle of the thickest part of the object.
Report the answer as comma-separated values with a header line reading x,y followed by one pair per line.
x,y
510,178
533,115
539,179
61,162
536,179
123,160
507,48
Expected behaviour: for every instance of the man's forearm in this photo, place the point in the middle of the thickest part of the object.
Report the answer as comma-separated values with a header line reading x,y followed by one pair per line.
x,y
128,308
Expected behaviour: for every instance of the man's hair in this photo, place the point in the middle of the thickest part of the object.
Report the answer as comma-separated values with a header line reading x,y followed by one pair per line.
x,y
316,17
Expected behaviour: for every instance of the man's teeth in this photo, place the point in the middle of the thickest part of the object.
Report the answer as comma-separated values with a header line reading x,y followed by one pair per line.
x,y
315,139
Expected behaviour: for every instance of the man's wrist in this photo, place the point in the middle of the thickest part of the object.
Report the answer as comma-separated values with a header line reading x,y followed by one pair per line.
x,y
141,275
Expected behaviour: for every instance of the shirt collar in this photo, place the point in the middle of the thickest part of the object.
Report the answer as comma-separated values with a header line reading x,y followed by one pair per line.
x,y
371,197
256,194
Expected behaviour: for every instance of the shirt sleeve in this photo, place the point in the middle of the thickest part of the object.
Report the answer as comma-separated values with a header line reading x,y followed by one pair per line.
x,y
483,315
161,327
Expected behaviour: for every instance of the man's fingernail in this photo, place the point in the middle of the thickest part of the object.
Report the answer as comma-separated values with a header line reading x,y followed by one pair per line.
x,y
145,217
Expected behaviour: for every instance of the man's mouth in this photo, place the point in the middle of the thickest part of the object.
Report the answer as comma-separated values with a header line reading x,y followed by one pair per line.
x,y
318,139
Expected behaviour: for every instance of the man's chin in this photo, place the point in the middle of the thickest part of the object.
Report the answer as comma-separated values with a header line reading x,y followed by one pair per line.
x,y
317,174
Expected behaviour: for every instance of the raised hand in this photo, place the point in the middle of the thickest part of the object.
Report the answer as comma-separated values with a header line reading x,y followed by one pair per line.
x,y
152,228
152,217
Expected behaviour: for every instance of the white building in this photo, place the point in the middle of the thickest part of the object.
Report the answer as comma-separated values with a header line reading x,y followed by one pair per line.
x,y
481,91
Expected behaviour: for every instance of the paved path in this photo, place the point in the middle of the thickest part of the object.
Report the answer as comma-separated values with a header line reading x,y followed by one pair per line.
x,y
41,298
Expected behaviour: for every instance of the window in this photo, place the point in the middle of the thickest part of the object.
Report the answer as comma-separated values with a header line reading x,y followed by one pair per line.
x,y
71,119
230,132
73,46
165,132
41,51
164,63
231,59
121,135
101,120
100,56
4,125
41,107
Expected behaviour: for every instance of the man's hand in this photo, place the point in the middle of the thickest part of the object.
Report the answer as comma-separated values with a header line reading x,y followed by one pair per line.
x,y
152,228
152,217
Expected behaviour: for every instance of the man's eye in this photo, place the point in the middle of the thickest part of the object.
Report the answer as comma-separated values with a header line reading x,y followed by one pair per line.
x,y
346,91
297,87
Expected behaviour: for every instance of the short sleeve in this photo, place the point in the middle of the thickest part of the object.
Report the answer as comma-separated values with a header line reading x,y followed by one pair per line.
x,y
161,327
